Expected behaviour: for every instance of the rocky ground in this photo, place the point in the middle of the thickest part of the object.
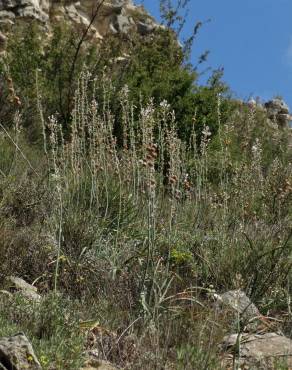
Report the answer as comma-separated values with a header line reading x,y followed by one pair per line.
x,y
106,17
259,342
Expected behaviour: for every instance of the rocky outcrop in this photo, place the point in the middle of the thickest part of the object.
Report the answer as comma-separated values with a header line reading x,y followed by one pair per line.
x,y
10,10
238,301
17,353
17,285
277,111
258,351
256,346
2,42
108,16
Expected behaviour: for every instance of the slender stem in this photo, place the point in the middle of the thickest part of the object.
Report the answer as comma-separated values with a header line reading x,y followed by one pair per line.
x,y
59,242
20,151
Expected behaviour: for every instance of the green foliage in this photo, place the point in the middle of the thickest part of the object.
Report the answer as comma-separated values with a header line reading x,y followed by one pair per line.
x,y
190,357
166,76
51,325
163,76
44,74
40,70
180,257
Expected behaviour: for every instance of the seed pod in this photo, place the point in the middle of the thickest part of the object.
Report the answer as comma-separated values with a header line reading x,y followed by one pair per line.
x,y
149,157
17,101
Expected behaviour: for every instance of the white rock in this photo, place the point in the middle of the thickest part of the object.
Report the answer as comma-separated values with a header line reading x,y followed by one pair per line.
x,y
261,350
17,353
114,16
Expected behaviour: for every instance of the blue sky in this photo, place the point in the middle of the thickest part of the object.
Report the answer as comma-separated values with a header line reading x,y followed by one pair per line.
x,y
251,39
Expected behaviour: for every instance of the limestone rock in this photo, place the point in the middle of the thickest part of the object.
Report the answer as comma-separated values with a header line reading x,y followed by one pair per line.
x,y
277,105
283,119
238,301
29,9
260,350
144,28
4,294
6,17
278,112
2,42
14,284
17,353
113,16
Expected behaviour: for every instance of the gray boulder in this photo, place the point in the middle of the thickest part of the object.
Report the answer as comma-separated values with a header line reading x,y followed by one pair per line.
x,y
123,23
278,112
114,16
17,285
3,40
258,351
17,353
238,301
144,28
276,106
29,9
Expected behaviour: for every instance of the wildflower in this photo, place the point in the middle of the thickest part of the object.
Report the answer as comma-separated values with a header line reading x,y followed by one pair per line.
x,y
44,360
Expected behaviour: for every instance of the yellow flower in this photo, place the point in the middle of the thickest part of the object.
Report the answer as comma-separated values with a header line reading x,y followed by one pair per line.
x,y
62,258
44,360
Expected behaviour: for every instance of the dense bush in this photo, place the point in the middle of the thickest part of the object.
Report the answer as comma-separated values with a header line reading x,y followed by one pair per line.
x,y
44,72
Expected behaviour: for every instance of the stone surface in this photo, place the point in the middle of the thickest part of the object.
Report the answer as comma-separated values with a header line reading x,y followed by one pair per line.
x,y
260,350
278,112
14,284
17,353
238,301
113,16
25,9
4,294
277,105
2,42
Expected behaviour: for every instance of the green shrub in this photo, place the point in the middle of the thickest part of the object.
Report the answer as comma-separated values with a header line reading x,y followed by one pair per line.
x,y
45,77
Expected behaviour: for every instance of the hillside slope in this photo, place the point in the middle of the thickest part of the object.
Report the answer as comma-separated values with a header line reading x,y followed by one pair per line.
x,y
145,219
